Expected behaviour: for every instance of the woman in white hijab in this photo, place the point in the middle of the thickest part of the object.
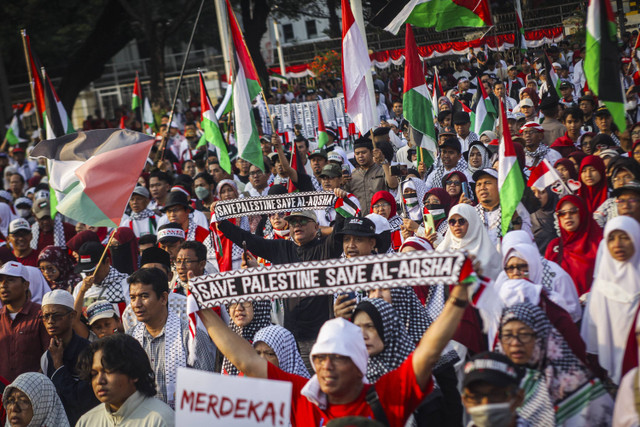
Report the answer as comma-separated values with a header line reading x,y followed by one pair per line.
x,y
466,233
611,311
6,216
627,410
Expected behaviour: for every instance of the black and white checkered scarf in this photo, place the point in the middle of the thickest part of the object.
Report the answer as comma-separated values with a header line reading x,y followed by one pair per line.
x,y
261,319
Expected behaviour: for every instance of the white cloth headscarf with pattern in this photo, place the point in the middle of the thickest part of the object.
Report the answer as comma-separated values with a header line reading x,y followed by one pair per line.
x,y
284,346
47,407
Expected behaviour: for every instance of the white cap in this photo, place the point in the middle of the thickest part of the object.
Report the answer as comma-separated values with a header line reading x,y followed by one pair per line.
x,y
18,225
381,223
526,101
58,296
334,156
15,269
339,336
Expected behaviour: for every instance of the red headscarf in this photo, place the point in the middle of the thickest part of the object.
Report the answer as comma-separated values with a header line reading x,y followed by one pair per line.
x,y
594,195
384,195
576,251
533,95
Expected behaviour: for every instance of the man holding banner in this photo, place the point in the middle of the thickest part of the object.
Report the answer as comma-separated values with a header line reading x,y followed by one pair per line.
x,y
339,358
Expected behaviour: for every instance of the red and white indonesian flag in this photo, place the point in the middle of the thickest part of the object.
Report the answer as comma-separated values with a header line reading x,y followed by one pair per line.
x,y
93,173
543,175
355,66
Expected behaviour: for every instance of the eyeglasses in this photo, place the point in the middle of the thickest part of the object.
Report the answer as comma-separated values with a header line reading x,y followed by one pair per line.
x,y
460,221
244,304
256,173
277,215
299,222
381,205
623,179
572,211
520,267
529,132
630,201
185,261
522,337
49,269
53,317
451,182
334,358
23,403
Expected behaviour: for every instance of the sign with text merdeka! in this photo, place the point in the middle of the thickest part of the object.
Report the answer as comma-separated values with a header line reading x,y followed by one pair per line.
x,y
208,399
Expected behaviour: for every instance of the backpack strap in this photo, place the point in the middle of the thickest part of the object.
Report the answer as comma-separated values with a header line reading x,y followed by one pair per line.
x,y
373,401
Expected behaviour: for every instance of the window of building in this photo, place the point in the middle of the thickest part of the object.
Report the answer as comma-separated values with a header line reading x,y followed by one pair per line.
x,y
312,31
287,32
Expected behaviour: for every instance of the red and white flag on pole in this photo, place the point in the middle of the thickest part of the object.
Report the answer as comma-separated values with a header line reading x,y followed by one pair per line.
x,y
355,66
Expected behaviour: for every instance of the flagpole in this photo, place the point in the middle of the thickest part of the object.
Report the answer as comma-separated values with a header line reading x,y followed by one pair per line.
x,y
224,34
165,137
276,31
104,252
23,32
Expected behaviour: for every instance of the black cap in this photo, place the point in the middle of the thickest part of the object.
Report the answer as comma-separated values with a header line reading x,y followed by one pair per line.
x,y
461,118
565,85
632,185
603,112
451,143
177,198
363,142
318,152
88,256
493,368
155,255
357,226
587,98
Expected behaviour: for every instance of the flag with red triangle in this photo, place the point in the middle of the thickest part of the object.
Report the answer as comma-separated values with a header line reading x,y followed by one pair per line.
x,y
323,136
36,81
209,124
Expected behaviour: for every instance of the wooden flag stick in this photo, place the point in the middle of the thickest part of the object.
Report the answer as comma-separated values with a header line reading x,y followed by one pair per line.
x,y
104,253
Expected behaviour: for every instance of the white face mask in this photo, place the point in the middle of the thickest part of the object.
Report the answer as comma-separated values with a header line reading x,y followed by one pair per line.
x,y
491,415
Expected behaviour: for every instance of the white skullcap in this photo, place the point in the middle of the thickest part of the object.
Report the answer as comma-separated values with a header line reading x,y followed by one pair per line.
x,y
58,296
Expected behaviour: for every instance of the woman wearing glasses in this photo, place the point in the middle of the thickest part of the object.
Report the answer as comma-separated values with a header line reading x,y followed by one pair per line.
x,y
559,388
576,248
32,400
466,233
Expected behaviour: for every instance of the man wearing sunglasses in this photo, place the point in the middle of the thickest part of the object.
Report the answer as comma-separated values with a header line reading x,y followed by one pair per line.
x,y
59,362
628,199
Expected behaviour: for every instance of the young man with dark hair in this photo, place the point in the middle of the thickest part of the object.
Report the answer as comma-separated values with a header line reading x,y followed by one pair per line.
x,y
122,379
159,185
163,335
572,119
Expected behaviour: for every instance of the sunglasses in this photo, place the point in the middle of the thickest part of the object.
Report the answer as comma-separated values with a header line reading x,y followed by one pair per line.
x,y
299,222
451,182
460,221
562,214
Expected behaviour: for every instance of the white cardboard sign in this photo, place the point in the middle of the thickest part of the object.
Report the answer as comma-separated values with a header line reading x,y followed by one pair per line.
x,y
210,399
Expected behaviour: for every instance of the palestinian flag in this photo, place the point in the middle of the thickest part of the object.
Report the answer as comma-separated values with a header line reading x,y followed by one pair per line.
x,y
36,81
510,178
469,111
521,42
136,100
323,137
226,106
277,77
552,78
485,113
417,107
93,173
602,60
15,133
56,118
209,124
437,86
441,14
347,207
246,86
148,120
296,164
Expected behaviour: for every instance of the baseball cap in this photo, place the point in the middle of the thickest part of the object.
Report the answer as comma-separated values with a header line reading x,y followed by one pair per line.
x,y
526,102
100,309
565,85
170,233
41,208
14,269
302,214
141,191
493,368
23,201
88,256
461,118
602,111
19,224
59,297
632,185
491,172
318,152
331,170
334,156
357,226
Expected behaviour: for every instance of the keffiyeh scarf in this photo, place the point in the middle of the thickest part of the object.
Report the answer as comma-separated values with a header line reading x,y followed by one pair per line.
x,y
191,232
284,346
261,319
538,155
175,355
144,214
111,286
413,315
58,234
496,223
439,172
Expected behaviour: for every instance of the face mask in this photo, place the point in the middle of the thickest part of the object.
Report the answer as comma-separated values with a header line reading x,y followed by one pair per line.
x,y
24,213
437,210
491,415
202,193
411,201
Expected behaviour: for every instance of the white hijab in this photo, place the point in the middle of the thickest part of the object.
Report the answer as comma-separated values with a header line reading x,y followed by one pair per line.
x,y
6,216
613,302
476,242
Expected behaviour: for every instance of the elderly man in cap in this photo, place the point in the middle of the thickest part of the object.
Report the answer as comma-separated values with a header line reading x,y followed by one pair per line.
x,y
100,282
20,238
141,220
490,211
339,358
628,199
450,160
23,337
535,151
462,126
59,362
491,391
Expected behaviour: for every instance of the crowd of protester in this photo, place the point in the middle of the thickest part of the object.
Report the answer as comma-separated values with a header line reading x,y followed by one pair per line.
x,y
546,336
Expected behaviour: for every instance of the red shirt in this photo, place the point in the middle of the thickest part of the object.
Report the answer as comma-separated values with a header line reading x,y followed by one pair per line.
x,y
46,239
22,341
30,260
398,391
